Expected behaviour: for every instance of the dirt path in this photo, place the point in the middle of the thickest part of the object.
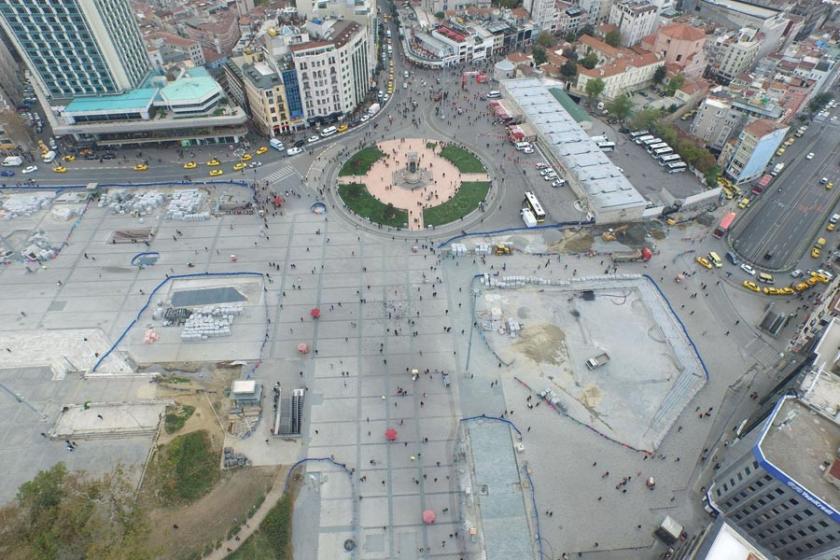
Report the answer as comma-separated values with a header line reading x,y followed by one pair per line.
x,y
271,499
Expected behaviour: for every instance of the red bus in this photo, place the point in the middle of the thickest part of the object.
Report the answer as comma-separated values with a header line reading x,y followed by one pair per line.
x,y
724,225
762,184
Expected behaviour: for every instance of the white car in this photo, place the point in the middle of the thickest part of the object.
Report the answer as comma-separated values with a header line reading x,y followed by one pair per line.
x,y
364,118
796,273
558,183
312,139
542,165
528,150
810,155
293,151
748,269
550,176
825,273
30,169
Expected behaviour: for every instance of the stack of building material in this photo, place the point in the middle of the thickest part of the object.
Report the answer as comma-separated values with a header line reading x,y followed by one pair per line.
x,y
38,247
137,203
513,327
210,322
482,249
187,206
458,249
24,204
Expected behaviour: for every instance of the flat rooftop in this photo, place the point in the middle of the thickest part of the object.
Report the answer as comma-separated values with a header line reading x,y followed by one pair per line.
x,y
745,8
606,187
134,100
798,441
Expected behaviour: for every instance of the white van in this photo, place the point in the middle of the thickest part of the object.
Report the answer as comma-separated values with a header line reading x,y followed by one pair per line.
x,y
329,131
521,145
49,157
495,94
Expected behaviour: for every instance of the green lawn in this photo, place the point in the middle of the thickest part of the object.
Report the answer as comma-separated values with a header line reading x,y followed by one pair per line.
x,y
176,417
465,201
186,468
272,541
361,161
360,201
465,161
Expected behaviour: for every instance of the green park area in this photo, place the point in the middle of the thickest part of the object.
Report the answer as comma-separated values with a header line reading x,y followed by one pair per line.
x,y
359,200
361,161
464,160
467,199
273,540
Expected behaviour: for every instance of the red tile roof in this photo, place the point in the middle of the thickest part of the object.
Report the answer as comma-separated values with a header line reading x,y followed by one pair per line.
x,y
762,127
682,32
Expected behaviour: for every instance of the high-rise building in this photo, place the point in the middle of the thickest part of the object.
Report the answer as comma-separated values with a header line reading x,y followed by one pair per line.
x,y
77,48
543,13
746,157
635,19
780,484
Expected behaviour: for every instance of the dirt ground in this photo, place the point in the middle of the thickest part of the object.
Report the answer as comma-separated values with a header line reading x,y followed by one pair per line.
x,y
573,242
210,518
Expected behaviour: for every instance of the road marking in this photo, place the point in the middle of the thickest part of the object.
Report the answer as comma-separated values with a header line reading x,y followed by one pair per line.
x,y
280,174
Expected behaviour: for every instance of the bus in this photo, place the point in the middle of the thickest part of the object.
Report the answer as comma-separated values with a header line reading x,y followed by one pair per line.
x,y
535,207
638,133
656,146
663,151
668,158
606,146
641,139
724,225
652,141
677,167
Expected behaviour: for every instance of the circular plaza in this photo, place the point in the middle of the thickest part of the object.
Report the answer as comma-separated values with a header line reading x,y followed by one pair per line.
x,y
413,183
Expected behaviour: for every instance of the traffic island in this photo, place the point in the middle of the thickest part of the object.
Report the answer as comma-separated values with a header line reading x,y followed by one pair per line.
x,y
413,183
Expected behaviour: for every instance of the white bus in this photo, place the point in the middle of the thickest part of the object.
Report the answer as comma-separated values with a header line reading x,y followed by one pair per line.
x,y
656,146
641,139
652,141
606,146
638,133
535,207
668,158
677,167
663,151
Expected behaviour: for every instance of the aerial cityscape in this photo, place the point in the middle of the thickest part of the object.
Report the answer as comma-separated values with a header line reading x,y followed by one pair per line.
x,y
419,279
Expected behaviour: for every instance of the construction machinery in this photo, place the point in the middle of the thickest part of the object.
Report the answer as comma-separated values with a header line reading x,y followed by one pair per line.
x,y
502,249
612,233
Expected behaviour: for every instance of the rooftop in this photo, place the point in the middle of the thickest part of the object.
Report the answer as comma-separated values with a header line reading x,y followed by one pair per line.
x,y
762,127
607,188
134,100
801,443
682,32
749,9
189,88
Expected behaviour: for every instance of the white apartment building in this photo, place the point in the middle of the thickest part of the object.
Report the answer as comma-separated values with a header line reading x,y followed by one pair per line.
x,y
629,73
714,122
543,13
635,19
333,71
734,53
597,11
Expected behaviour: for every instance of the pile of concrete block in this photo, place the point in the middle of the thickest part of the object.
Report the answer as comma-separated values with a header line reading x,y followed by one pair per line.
x,y
458,250
24,204
493,320
234,460
513,327
483,249
187,206
38,247
137,203
212,321
66,212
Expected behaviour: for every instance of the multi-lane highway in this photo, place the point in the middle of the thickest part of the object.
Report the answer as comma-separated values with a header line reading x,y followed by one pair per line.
x,y
778,229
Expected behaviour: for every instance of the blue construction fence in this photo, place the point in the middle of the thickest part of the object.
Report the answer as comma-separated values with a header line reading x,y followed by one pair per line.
x,y
558,225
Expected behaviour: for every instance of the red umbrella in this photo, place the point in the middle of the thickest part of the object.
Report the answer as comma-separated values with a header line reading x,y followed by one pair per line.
x,y
429,517
391,434
303,348
315,313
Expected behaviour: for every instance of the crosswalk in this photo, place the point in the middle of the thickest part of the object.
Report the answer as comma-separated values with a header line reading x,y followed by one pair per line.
x,y
280,174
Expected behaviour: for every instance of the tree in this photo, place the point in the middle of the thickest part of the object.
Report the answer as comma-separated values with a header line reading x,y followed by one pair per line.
x,y
818,102
712,175
59,514
590,60
545,39
570,37
659,75
674,84
440,15
539,55
645,119
569,69
594,88
613,38
620,107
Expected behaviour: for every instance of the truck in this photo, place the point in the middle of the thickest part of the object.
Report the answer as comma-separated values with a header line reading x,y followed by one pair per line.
x,y
777,168
643,254
373,109
49,157
13,161
669,531
597,361
276,144
528,217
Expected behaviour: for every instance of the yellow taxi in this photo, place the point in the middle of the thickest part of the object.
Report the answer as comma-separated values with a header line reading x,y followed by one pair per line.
x,y
704,262
823,279
69,157
246,157
261,150
343,127
727,193
812,281
141,167
829,186
213,162
830,227
801,286
790,141
216,172
786,291
750,285
780,151
239,166
60,169
190,165
744,202
771,291
816,252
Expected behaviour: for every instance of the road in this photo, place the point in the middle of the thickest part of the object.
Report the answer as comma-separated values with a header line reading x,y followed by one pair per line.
x,y
777,231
